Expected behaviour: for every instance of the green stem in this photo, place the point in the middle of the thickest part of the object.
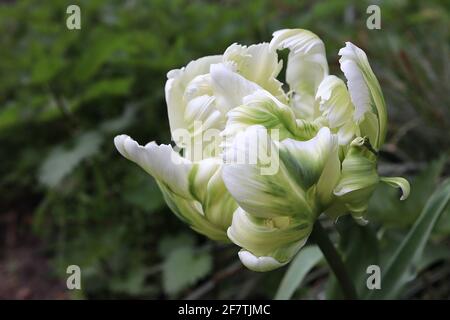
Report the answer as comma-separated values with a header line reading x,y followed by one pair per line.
x,y
319,235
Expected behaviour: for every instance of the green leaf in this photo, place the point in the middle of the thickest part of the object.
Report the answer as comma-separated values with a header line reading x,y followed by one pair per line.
x,y
398,270
100,48
360,248
385,207
304,261
107,87
141,191
170,243
61,161
184,267
133,283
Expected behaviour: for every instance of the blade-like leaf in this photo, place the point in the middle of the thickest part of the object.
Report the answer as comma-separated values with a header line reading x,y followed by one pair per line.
x,y
397,271
298,269
359,247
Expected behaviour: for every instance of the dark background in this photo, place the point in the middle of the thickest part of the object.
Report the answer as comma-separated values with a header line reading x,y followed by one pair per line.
x,y
67,196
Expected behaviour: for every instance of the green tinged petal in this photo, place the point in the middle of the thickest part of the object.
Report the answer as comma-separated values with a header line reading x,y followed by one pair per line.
x,y
209,188
288,190
195,192
278,238
358,178
398,182
365,92
191,213
264,109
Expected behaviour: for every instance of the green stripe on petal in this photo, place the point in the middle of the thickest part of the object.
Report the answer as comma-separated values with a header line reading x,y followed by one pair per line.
x,y
271,195
269,243
261,108
265,237
287,191
195,192
208,188
191,213
306,160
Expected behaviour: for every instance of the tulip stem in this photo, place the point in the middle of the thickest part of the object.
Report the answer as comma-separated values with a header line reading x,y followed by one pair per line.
x,y
334,260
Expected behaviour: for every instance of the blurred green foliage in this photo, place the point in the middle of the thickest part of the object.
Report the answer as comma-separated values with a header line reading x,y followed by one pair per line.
x,y
64,95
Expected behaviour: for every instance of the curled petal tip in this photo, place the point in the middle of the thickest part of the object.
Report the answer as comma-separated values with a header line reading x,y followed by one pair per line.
x,y
259,264
398,182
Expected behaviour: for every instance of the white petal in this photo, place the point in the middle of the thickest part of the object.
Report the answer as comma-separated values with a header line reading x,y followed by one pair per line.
x,y
364,90
229,87
160,161
295,165
194,191
335,101
257,63
307,66
280,238
177,82
359,91
259,264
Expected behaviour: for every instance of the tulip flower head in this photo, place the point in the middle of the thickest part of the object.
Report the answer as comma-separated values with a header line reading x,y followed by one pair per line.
x,y
256,161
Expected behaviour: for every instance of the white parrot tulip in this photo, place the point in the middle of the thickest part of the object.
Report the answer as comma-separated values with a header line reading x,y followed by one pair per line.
x,y
258,163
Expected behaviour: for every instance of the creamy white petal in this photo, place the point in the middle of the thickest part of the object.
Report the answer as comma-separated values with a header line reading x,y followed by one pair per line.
x,y
229,87
337,108
307,66
335,101
191,212
257,63
177,83
160,161
259,264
